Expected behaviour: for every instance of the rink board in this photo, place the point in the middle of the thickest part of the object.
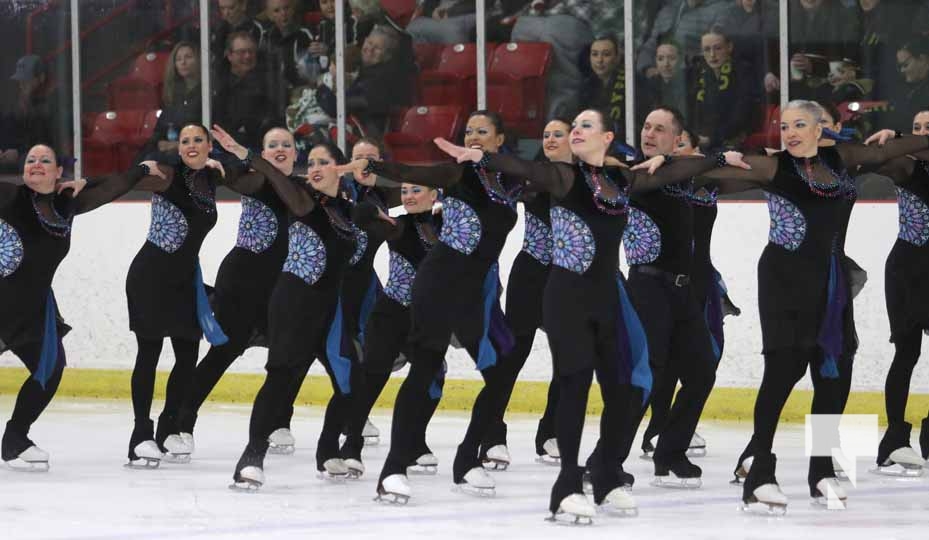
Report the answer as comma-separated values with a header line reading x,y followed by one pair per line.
x,y
91,295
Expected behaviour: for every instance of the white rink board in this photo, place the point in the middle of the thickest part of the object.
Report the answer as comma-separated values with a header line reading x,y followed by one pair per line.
x,y
90,287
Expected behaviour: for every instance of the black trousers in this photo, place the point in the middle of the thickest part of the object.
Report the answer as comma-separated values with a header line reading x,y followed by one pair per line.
x,y
31,399
782,369
679,348
143,387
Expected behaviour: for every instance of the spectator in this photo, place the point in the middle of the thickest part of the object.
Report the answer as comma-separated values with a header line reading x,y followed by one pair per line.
x,y
385,80
180,98
233,18
293,51
885,26
913,93
30,121
669,85
605,86
820,31
727,99
570,26
845,83
444,21
325,32
244,102
683,21
752,25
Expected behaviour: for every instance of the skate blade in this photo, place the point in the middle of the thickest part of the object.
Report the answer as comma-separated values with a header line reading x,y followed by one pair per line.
x,y
392,499
564,518
494,465
829,504
282,450
898,470
617,512
176,458
546,459
672,482
20,465
372,441
430,470
354,474
696,451
763,509
475,491
143,464
245,486
333,478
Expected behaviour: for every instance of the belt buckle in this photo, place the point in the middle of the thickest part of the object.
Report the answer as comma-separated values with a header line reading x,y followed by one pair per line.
x,y
680,280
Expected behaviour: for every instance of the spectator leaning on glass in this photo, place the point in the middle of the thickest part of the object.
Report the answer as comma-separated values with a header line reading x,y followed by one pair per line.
x,y
180,98
725,99
385,80
243,101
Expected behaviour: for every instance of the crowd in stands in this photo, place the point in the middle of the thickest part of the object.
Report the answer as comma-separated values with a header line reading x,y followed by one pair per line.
x,y
272,63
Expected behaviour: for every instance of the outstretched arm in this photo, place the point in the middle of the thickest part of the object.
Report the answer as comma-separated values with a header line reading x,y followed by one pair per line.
x,y
443,175
92,194
368,217
652,174
736,180
556,178
879,148
237,178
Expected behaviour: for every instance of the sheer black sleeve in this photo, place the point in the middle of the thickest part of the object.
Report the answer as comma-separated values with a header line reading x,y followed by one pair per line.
x,y
107,189
238,179
365,216
438,176
678,170
298,201
898,169
555,178
856,155
736,180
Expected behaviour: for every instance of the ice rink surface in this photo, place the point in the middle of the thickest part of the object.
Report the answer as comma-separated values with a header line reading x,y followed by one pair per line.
x,y
88,494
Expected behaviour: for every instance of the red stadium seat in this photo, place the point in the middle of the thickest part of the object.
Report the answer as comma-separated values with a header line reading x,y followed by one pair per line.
x,y
400,11
113,142
132,93
769,135
150,67
516,77
428,55
413,143
454,79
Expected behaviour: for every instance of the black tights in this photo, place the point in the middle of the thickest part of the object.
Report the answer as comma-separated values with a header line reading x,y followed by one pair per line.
x,y
897,385
620,406
205,377
31,400
782,370
143,386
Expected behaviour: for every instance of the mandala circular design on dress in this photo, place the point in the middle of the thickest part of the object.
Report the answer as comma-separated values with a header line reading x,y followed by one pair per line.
x,y
573,245
11,249
914,218
641,238
461,228
306,253
400,282
168,229
788,226
361,245
537,240
257,226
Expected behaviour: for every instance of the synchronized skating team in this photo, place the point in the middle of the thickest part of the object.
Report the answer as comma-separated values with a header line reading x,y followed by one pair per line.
x,y
300,281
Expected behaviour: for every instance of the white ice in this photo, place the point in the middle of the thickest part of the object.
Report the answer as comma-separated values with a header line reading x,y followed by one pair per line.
x,y
88,494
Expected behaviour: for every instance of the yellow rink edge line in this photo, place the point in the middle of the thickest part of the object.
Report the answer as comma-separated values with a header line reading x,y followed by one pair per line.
x,y
528,397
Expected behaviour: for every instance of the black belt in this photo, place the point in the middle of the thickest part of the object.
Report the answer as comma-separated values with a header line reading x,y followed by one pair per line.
x,y
678,280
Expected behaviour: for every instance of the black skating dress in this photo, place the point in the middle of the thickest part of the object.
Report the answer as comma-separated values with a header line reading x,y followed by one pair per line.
x,y
164,282
587,315
387,330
